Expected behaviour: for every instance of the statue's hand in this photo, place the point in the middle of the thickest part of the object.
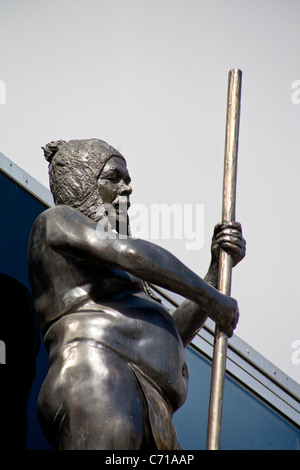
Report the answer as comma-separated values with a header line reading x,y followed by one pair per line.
x,y
228,236
226,314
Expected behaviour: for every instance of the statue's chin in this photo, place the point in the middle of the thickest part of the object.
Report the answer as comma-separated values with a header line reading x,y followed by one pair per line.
x,y
116,220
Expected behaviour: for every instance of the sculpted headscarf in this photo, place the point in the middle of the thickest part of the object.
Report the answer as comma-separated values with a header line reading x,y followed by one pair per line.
x,y
74,169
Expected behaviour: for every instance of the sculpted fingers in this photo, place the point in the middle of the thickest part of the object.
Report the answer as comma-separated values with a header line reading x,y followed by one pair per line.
x,y
229,237
227,225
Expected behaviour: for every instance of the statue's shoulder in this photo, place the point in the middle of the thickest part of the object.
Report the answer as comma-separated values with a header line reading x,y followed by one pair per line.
x,y
55,216
56,212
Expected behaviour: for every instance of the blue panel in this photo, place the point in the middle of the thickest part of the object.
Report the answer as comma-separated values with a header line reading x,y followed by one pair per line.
x,y
248,422
18,211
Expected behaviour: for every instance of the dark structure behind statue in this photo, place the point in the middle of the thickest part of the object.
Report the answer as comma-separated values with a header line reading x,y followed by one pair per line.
x,y
20,334
117,368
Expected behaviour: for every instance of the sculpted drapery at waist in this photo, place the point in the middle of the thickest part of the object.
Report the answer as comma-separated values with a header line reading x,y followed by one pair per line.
x,y
139,330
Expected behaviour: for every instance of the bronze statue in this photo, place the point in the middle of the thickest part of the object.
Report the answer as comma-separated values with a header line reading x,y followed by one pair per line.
x,y
117,369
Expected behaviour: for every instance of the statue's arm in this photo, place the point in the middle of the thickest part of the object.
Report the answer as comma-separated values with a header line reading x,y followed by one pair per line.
x,y
71,232
189,316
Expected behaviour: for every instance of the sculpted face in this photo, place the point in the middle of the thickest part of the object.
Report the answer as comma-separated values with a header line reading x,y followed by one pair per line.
x,y
114,190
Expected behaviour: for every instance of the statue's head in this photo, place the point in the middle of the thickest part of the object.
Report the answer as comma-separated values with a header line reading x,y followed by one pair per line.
x,y
75,170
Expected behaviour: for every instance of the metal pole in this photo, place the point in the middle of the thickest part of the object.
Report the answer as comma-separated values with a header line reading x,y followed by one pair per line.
x,y
225,263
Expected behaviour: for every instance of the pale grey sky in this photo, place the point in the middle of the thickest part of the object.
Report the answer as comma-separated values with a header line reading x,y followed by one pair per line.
x,y
150,78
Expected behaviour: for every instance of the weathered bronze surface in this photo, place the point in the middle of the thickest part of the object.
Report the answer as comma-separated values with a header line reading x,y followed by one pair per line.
x,y
117,369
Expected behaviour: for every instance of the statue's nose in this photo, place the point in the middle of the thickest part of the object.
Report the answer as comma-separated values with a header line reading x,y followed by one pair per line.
x,y
124,189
